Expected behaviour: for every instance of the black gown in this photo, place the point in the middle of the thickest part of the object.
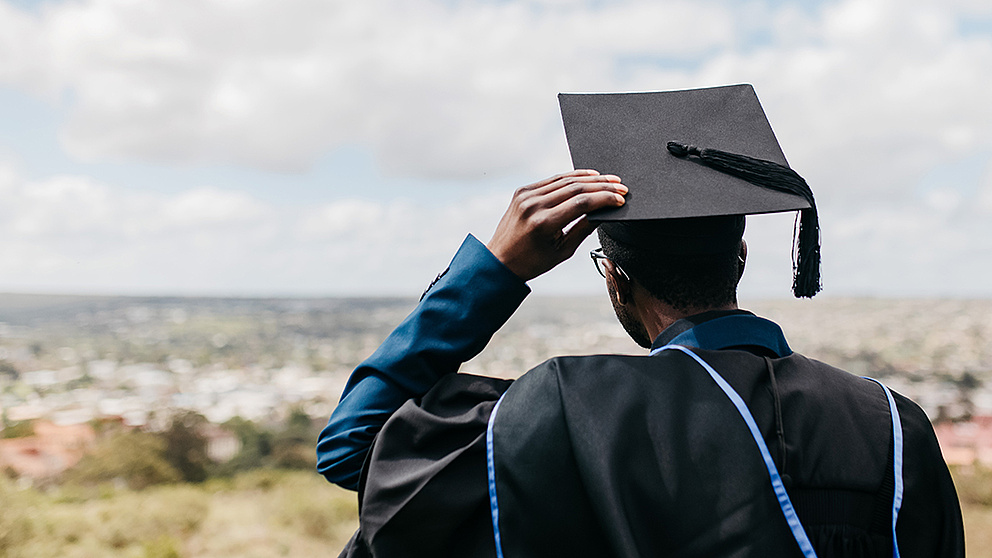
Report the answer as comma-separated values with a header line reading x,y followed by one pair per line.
x,y
645,456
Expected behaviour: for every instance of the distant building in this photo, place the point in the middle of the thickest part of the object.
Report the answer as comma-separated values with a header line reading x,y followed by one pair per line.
x,y
49,452
967,442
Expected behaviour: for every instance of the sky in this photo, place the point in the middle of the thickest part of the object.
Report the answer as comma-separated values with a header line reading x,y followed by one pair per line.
x,y
343,148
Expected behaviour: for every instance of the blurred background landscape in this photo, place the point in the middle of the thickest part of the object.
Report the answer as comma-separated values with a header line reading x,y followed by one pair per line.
x,y
185,427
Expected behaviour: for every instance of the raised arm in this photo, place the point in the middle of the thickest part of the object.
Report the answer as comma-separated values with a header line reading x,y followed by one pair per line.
x,y
461,311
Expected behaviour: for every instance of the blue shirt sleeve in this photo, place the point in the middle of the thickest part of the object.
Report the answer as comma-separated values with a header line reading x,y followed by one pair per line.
x,y
453,322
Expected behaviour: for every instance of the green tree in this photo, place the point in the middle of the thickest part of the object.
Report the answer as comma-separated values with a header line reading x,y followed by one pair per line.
x,y
292,447
256,446
137,458
186,447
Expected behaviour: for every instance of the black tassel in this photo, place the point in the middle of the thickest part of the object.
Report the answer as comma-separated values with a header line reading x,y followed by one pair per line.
x,y
768,174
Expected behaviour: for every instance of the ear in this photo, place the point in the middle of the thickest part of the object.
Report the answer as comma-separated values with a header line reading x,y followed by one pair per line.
x,y
742,259
619,283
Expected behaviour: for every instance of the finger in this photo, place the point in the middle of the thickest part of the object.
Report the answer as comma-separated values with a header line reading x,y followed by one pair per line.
x,y
565,180
552,198
582,204
558,177
560,192
532,205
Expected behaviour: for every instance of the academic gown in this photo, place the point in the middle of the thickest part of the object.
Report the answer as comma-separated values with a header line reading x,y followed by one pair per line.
x,y
614,455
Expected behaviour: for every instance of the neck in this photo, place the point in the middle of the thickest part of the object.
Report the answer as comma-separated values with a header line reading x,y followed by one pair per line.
x,y
658,316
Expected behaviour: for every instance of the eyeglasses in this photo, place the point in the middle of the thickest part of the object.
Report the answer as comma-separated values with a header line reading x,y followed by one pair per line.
x,y
599,260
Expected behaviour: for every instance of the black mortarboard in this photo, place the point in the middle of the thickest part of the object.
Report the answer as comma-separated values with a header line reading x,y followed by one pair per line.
x,y
688,154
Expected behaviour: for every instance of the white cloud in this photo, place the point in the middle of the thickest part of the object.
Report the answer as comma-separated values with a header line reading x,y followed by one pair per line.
x,y
867,97
439,89
210,206
332,220
984,197
69,233
72,234
454,89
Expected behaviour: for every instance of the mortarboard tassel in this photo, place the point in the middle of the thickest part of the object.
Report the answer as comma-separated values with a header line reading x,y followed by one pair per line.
x,y
768,174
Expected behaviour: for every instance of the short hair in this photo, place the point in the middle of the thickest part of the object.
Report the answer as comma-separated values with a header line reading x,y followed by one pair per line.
x,y
683,281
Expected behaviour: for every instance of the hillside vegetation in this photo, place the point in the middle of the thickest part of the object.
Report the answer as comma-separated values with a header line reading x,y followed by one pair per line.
x,y
258,514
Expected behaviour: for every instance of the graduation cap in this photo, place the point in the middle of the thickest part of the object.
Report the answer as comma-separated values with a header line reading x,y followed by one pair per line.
x,y
695,161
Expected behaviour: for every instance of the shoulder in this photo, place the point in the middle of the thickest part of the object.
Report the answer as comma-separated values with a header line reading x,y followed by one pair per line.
x,y
593,368
912,415
572,376
824,381
539,393
565,393
918,431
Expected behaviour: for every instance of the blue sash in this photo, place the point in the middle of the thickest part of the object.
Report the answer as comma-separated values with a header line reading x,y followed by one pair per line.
x,y
776,480
491,472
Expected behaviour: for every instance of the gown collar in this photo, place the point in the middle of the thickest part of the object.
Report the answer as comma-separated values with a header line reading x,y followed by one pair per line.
x,y
724,329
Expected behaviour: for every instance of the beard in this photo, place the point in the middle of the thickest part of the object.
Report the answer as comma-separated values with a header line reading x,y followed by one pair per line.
x,y
634,328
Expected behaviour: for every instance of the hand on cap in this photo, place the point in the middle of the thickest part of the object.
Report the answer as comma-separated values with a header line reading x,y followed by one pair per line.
x,y
532,238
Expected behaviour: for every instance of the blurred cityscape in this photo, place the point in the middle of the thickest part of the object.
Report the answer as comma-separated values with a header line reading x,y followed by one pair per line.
x,y
68,361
